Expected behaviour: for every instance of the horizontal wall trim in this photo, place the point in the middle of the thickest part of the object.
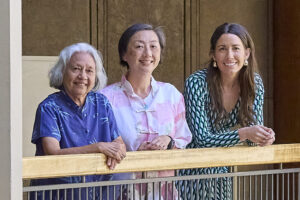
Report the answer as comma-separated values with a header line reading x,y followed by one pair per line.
x,y
40,58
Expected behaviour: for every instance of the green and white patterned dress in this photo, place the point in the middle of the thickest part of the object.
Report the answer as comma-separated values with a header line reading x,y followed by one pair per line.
x,y
200,118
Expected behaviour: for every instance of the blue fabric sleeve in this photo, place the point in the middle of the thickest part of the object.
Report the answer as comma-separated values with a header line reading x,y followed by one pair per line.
x,y
45,124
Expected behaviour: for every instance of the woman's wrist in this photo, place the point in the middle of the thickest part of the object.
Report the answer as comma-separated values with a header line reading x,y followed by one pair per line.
x,y
242,134
171,143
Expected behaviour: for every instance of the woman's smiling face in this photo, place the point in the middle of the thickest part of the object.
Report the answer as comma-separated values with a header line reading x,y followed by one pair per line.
x,y
80,75
230,54
143,52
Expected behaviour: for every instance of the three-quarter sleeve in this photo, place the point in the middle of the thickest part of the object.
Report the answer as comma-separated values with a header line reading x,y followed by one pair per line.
x,y
259,100
199,119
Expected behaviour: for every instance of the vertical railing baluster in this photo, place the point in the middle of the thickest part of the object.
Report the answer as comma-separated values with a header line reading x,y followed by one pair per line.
x,y
244,187
153,190
191,189
159,190
167,190
185,188
173,191
238,187
272,186
209,188
298,186
282,187
203,188
197,190
94,192
267,185
141,191
127,190
79,193
277,186
107,192
261,187
86,193
115,192
216,183
293,185
288,186
255,187
179,189
250,189
133,190
121,192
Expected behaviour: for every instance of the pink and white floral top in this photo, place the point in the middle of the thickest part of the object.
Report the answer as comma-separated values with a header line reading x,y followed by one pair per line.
x,y
162,112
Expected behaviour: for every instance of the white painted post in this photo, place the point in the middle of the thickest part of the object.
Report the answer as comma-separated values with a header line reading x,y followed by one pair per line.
x,y
10,100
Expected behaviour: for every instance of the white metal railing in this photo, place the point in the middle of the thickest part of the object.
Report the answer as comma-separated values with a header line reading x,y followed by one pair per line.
x,y
258,184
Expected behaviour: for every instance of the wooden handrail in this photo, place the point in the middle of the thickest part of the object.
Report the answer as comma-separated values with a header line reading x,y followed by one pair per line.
x,y
84,164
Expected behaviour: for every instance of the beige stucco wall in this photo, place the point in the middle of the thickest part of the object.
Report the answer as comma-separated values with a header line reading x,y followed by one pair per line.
x,y
35,89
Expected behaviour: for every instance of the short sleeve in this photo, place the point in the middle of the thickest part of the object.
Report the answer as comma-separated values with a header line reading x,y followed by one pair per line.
x,y
45,124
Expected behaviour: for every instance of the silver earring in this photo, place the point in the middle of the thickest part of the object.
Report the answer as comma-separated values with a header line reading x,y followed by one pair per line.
x,y
215,64
246,63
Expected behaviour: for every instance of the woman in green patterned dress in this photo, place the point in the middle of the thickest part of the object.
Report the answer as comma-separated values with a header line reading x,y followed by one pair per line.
x,y
224,107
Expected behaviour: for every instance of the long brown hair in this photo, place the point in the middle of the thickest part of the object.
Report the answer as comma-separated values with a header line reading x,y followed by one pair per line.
x,y
246,76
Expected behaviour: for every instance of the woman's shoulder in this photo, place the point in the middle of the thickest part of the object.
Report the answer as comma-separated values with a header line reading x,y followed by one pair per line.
x,y
166,85
257,78
258,82
52,99
198,78
96,96
168,88
111,90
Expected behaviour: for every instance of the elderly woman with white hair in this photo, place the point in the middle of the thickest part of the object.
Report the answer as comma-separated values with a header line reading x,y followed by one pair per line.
x,y
77,120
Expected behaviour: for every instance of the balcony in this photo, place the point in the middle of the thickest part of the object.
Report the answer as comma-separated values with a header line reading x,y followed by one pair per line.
x,y
256,173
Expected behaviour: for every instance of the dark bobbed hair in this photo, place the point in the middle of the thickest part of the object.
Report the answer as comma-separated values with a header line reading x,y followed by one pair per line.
x,y
56,73
246,75
130,31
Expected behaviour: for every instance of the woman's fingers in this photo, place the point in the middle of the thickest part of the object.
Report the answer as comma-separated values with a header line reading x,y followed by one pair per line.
x,y
114,150
271,133
161,142
258,134
145,146
111,162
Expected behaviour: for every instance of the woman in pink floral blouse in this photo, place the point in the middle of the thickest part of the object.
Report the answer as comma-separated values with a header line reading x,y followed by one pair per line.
x,y
150,115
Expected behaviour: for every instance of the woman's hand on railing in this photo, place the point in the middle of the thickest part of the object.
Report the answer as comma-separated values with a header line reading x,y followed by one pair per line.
x,y
115,151
158,143
111,162
258,134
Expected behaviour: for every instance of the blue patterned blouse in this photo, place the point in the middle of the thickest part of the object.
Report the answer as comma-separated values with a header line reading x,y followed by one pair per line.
x,y
73,126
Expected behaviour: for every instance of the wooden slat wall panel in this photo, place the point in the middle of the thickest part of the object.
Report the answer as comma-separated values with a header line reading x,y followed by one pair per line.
x,y
287,70
121,14
50,25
